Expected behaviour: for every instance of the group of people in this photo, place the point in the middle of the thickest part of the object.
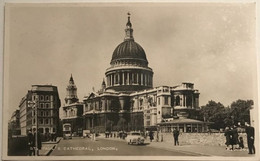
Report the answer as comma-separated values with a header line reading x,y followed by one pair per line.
x,y
34,142
234,141
50,137
118,134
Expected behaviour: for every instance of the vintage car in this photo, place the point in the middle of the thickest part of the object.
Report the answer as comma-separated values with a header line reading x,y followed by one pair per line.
x,y
135,137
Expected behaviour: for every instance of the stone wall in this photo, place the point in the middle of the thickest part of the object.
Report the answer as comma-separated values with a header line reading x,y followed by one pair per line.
x,y
214,139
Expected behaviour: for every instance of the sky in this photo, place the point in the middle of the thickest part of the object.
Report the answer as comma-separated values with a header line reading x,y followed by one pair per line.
x,y
209,44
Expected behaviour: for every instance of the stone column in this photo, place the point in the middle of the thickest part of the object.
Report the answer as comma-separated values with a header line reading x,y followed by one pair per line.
x,y
137,78
119,78
133,78
128,78
123,77
114,78
184,100
110,77
145,80
142,79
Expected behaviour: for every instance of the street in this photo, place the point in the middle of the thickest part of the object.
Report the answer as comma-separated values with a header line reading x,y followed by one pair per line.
x,y
106,147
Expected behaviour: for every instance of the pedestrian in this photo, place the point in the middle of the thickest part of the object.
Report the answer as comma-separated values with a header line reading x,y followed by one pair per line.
x,y
232,140
39,141
227,135
151,136
30,143
54,137
235,137
250,132
241,143
176,134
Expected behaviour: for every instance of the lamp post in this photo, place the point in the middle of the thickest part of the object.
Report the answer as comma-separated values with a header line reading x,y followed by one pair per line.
x,y
35,105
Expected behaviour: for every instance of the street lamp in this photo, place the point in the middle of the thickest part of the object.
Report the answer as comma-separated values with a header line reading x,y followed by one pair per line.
x,y
34,105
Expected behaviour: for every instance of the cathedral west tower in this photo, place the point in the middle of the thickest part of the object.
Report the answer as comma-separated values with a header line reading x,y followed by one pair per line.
x,y
71,96
129,69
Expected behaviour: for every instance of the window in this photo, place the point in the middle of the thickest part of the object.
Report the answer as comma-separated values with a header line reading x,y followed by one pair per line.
x,y
166,100
41,105
47,105
47,98
159,101
47,130
53,130
47,113
41,114
41,121
46,121
177,101
41,98
33,121
34,98
41,130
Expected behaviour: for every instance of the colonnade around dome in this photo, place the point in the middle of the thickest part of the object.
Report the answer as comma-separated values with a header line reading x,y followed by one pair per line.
x,y
139,78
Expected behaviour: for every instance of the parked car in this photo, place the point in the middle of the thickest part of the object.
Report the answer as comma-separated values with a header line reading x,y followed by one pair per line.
x,y
135,138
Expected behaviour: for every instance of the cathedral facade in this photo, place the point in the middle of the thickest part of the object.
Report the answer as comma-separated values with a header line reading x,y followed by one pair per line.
x,y
127,99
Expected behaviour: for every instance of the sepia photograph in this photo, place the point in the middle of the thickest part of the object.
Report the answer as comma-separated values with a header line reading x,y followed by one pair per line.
x,y
130,81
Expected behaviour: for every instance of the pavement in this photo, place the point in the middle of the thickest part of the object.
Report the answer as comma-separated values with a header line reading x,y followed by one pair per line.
x,y
203,150
48,147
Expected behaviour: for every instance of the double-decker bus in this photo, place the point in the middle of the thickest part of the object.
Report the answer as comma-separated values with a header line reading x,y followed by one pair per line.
x,y
67,131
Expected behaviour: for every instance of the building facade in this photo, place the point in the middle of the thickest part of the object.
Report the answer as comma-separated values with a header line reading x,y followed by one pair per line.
x,y
40,106
73,109
128,101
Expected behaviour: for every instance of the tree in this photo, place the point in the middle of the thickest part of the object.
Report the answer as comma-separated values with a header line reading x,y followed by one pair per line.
x,y
226,116
214,112
240,111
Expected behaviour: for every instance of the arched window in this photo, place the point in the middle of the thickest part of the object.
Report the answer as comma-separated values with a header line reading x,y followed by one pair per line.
x,y
177,101
41,98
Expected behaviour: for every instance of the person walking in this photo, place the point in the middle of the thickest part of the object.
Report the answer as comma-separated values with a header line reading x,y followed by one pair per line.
x,y
235,137
232,139
227,135
30,143
176,134
151,136
250,132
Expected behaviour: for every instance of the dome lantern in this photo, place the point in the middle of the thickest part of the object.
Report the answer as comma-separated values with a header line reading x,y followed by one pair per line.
x,y
129,30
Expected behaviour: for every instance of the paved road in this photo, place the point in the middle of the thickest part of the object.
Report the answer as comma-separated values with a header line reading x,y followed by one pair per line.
x,y
103,147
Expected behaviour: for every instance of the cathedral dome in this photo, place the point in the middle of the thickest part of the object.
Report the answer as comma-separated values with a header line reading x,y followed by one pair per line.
x,y
129,50
129,69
